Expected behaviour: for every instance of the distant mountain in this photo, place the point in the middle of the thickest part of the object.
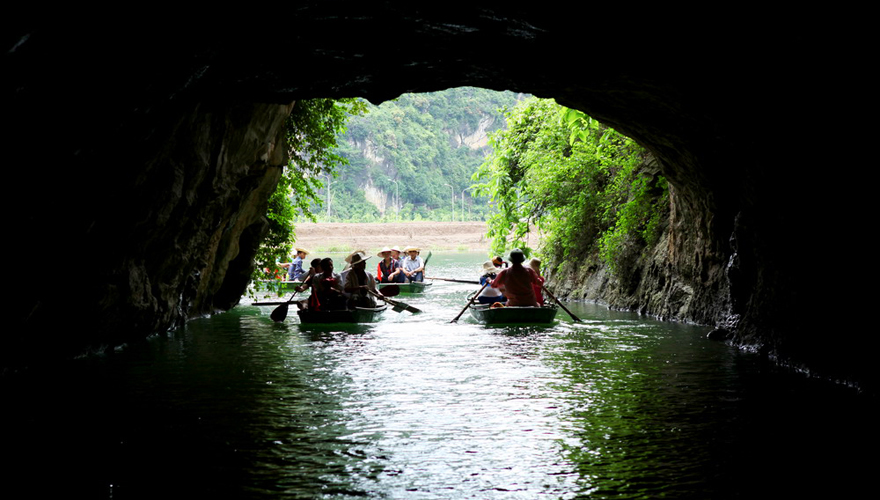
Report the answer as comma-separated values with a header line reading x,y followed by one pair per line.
x,y
414,154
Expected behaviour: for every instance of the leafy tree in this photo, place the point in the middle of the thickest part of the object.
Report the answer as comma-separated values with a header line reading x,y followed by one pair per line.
x,y
577,181
312,130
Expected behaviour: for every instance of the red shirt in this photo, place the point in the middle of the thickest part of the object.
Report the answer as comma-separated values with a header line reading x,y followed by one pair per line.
x,y
518,282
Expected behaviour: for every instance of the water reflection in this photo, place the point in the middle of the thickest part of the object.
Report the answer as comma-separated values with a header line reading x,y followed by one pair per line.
x,y
416,407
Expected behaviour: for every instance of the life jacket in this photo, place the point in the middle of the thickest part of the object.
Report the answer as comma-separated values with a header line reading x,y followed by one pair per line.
x,y
384,273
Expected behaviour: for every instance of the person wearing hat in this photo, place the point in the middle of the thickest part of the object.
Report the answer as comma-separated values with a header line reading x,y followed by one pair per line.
x,y
518,281
347,268
296,271
535,264
395,254
388,270
498,262
359,283
413,266
489,295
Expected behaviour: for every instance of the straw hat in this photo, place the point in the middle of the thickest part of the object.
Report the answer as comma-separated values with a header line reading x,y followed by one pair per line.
x,y
395,248
303,250
412,249
358,257
386,249
489,267
348,259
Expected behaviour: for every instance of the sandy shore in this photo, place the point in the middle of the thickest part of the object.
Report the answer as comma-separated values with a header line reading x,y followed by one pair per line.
x,y
438,236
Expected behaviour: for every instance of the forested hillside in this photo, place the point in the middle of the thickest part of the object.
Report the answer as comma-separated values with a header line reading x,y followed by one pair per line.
x,y
410,158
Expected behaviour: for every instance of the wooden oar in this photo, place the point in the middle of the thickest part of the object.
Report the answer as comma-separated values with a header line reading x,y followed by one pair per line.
x,y
455,281
471,301
561,305
398,306
280,312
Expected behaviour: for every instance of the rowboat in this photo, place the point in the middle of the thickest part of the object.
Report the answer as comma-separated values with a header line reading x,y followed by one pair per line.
x,y
281,284
512,314
356,315
411,287
289,285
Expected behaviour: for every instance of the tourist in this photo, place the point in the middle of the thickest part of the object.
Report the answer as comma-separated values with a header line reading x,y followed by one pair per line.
x,y
360,284
347,269
328,288
296,271
395,254
535,265
388,270
489,294
518,281
413,266
308,282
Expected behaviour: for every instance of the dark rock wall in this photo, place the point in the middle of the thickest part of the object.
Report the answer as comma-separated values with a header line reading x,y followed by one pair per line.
x,y
138,156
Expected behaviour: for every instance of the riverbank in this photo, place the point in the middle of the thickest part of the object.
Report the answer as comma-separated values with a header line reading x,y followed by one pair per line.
x,y
434,236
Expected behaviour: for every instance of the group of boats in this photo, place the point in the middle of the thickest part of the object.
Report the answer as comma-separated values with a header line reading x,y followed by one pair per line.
x,y
482,313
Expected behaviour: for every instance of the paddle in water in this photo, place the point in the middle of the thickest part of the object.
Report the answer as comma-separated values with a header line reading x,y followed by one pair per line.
x,y
280,312
470,282
471,301
398,306
561,305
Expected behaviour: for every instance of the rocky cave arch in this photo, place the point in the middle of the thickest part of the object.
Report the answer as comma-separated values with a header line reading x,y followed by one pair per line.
x,y
139,158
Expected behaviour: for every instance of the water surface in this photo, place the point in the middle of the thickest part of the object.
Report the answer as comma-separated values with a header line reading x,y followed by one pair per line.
x,y
618,406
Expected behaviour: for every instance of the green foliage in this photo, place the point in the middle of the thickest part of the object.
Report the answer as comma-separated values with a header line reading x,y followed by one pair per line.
x,y
312,131
577,181
414,152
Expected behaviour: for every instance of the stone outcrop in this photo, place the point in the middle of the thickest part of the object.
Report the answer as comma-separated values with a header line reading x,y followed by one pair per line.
x,y
137,158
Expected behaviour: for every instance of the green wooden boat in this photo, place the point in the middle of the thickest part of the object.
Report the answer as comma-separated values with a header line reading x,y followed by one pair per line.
x,y
282,284
411,287
512,314
356,315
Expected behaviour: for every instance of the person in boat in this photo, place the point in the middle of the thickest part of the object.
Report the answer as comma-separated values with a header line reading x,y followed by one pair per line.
x,y
359,283
395,254
518,281
308,283
413,266
295,271
328,288
347,269
388,270
489,295
535,264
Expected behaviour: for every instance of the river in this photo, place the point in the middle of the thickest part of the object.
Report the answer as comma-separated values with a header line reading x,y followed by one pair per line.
x,y
416,407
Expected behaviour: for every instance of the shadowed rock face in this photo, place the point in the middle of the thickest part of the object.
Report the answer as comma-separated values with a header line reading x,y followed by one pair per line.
x,y
139,160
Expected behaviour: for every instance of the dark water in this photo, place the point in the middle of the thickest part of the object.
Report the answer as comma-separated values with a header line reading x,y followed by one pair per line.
x,y
618,406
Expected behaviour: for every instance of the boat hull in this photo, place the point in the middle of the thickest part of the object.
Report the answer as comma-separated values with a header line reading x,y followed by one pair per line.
x,y
413,287
279,284
512,314
357,315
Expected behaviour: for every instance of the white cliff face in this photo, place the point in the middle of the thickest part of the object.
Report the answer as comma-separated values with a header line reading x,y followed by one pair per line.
x,y
376,196
472,139
479,138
